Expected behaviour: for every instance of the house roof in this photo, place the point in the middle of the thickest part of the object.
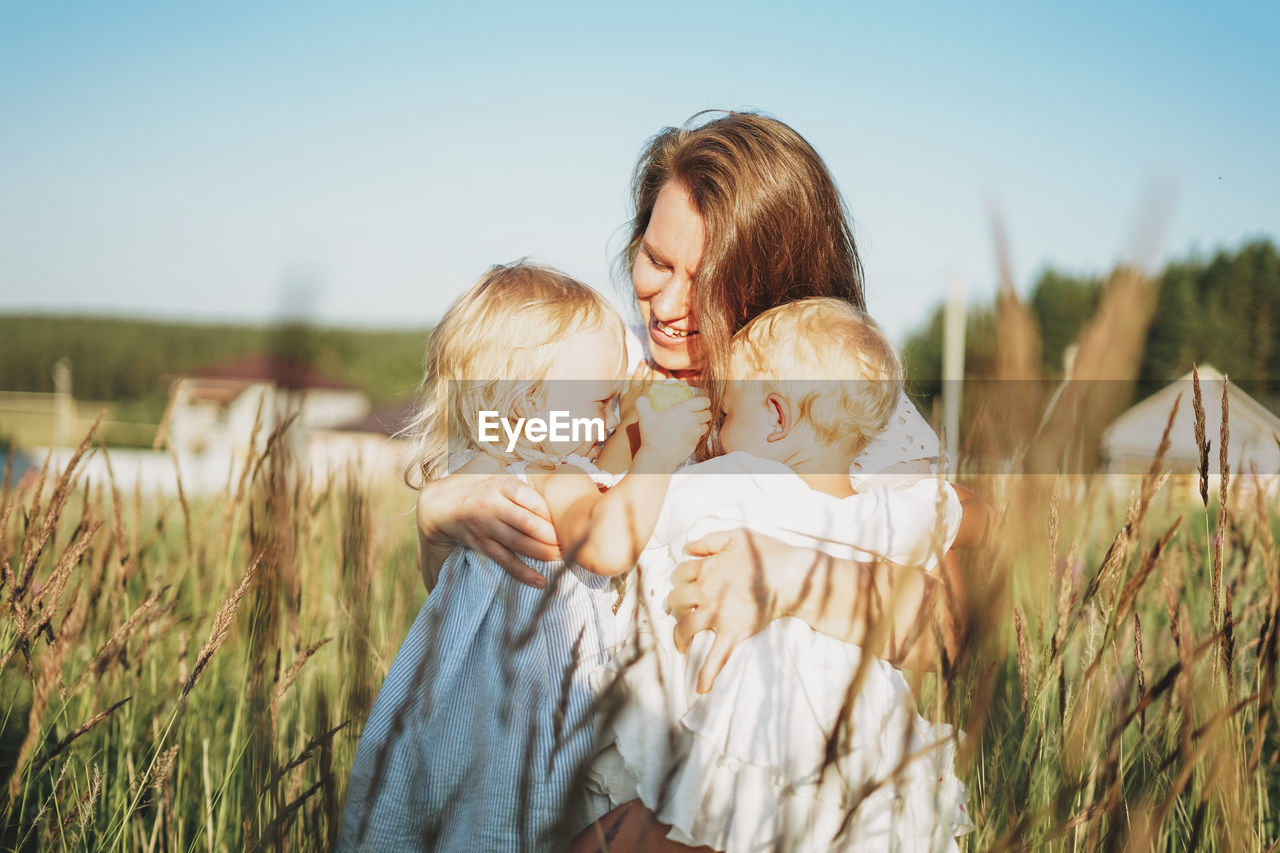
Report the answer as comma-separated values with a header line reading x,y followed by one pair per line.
x,y
265,367
1240,402
1137,432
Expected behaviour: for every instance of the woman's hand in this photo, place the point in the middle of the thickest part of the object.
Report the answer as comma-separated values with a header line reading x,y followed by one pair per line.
x,y
739,581
494,514
729,588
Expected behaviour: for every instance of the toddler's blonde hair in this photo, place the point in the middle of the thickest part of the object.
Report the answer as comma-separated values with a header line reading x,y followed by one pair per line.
x,y
831,360
490,352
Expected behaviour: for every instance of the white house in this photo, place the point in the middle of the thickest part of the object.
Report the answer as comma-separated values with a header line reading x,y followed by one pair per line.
x,y
1131,441
208,429
212,411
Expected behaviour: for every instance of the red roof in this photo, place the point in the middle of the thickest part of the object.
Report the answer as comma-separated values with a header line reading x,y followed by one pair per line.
x,y
268,368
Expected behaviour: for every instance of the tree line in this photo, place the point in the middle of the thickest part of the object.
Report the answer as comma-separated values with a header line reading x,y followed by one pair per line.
x,y
1222,310
132,361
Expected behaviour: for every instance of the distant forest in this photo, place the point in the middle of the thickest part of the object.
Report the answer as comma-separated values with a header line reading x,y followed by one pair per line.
x,y
1223,310
130,361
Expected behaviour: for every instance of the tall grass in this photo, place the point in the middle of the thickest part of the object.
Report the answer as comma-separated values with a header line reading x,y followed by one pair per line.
x,y
1106,703
193,675
1118,691
185,675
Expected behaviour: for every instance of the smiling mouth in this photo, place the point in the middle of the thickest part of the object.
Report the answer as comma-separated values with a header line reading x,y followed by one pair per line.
x,y
669,333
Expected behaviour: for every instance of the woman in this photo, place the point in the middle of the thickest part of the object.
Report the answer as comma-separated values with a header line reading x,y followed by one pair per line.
x,y
731,217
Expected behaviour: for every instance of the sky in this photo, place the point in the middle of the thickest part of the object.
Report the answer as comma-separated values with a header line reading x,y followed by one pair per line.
x,y
362,164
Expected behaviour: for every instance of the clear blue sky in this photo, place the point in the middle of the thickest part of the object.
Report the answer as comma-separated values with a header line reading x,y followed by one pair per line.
x,y
363,163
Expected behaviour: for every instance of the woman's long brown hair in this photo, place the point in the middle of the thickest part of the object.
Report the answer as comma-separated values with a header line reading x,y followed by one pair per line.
x,y
776,226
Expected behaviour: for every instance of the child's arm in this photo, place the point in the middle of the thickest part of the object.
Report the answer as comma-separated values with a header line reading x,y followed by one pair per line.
x,y
604,533
615,456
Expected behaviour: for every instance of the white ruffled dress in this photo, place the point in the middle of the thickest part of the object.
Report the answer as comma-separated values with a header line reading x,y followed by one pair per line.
x,y
745,767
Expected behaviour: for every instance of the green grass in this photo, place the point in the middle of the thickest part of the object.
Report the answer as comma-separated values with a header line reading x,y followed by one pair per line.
x,y
208,770
250,748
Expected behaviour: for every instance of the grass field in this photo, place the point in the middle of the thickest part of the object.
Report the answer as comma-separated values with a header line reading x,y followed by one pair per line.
x,y
180,676
192,676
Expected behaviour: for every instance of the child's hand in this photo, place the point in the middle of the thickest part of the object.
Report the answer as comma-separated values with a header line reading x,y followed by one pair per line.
x,y
664,395
638,385
674,432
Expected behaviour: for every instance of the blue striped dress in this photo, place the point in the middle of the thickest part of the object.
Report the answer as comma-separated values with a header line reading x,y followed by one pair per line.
x,y
483,729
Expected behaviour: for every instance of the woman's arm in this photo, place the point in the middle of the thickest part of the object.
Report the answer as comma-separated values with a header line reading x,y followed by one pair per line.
x,y
861,588
975,519
878,606
483,508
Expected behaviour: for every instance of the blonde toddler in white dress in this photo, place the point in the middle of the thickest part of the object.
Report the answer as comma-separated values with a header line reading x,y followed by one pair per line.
x,y
804,742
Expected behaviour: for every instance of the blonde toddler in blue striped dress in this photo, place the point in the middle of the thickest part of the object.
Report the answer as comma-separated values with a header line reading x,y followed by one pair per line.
x,y
484,727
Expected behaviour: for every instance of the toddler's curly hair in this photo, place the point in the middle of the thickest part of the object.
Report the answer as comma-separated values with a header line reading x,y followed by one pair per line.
x,y
492,349
831,359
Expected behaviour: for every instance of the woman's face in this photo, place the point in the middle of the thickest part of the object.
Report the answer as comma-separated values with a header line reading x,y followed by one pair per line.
x,y
663,275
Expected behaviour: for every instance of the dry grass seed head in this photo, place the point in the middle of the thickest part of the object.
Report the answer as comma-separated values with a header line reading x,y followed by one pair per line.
x,y
44,604
1224,441
291,674
1020,633
1129,593
88,801
33,545
1202,440
1055,502
1117,550
162,767
47,677
32,513
1228,647
221,627
148,610
1138,668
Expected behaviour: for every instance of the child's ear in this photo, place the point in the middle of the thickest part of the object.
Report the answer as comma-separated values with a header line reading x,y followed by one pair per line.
x,y
780,416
